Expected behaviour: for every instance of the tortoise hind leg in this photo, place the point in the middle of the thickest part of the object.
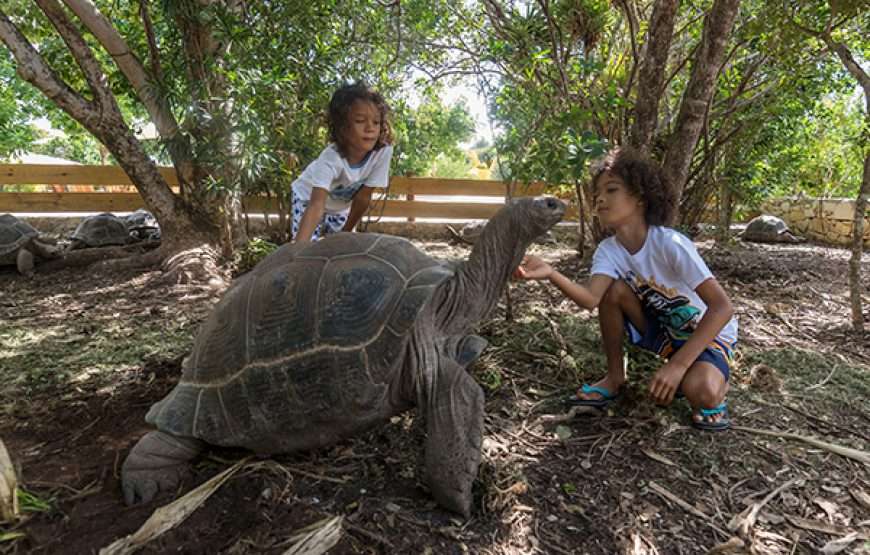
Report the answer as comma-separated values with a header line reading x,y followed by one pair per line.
x,y
157,463
454,432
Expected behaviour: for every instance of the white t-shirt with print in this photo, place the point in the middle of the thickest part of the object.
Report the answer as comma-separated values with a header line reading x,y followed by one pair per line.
x,y
664,274
341,180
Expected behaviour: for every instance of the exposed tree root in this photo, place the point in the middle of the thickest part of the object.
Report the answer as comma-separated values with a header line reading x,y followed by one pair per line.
x,y
195,264
106,255
181,264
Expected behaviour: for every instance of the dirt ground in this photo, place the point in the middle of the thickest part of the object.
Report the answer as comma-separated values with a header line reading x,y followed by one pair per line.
x,y
84,355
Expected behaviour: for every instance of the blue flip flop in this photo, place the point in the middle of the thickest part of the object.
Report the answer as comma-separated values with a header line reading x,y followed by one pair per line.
x,y
606,397
718,426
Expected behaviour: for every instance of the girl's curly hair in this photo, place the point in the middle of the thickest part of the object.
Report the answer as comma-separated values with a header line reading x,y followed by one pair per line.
x,y
644,179
339,112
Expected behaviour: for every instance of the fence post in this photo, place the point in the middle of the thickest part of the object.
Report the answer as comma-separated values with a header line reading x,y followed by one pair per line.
x,y
410,198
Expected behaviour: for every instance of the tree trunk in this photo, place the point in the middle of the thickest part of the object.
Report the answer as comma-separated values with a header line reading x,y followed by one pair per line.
x,y
699,91
855,288
186,227
863,197
652,74
724,210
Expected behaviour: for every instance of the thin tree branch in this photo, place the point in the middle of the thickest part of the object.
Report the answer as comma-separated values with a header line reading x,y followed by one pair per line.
x,y
33,69
154,53
81,52
128,63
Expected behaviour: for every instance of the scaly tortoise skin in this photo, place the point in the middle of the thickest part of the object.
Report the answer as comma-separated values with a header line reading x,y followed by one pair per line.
x,y
324,340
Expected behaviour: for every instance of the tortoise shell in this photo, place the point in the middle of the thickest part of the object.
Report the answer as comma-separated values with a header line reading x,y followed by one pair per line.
x,y
100,231
299,352
142,225
14,234
765,228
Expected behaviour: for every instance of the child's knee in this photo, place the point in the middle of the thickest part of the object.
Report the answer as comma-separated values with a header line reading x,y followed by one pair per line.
x,y
706,390
616,293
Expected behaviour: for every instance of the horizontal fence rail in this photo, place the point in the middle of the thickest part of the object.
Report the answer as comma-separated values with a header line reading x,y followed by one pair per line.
x,y
73,189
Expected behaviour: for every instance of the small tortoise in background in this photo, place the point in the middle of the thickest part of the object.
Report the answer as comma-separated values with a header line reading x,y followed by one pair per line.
x,y
322,341
20,245
768,229
101,230
142,226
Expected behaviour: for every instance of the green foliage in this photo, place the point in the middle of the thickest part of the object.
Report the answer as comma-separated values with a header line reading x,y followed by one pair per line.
x,y
428,137
451,167
17,105
251,254
31,503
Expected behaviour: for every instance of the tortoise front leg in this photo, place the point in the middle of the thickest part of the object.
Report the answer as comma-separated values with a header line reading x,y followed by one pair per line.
x,y
454,430
157,463
25,262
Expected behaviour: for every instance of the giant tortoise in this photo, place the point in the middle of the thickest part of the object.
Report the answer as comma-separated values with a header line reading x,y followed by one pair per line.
x,y
321,341
20,244
101,230
768,229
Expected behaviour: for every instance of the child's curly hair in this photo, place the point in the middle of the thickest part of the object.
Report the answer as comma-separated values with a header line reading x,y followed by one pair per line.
x,y
339,110
644,179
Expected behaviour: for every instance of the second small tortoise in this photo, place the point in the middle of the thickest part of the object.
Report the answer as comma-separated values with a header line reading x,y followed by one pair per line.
x,y
768,229
142,226
101,230
324,340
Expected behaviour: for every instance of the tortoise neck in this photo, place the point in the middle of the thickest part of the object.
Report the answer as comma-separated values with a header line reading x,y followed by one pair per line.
x,y
478,283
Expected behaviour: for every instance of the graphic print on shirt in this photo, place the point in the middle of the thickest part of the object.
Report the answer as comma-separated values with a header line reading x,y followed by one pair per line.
x,y
345,193
672,310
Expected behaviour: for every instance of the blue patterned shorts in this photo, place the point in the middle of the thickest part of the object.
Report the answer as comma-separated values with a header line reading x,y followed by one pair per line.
x,y
656,340
331,223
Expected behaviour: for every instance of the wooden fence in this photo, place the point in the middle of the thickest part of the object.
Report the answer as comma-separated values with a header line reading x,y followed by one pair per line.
x,y
76,189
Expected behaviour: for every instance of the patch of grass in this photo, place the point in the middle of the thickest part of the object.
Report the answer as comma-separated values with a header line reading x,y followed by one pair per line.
x,y
31,503
801,369
490,378
35,358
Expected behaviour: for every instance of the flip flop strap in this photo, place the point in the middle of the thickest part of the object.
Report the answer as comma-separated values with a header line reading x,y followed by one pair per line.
x,y
716,410
587,389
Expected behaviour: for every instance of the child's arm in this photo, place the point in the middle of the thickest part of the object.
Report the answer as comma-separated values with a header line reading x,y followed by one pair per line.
x,y
312,216
358,207
719,311
587,296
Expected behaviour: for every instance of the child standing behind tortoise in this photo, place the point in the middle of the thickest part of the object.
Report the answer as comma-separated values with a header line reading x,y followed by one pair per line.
x,y
334,191
649,282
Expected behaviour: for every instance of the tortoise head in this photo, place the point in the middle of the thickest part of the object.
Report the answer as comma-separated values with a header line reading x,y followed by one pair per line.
x,y
529,217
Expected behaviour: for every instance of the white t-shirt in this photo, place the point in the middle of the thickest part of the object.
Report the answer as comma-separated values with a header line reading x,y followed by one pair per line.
x,y
342,181
664,274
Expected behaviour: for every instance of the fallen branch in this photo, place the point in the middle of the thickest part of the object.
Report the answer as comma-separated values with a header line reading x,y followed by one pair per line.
x,y
568,416
825,528
743,522
369,534
732,544
662,491
848,452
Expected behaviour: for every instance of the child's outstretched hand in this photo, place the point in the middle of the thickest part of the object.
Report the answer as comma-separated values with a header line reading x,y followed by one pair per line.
x,y
533,267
